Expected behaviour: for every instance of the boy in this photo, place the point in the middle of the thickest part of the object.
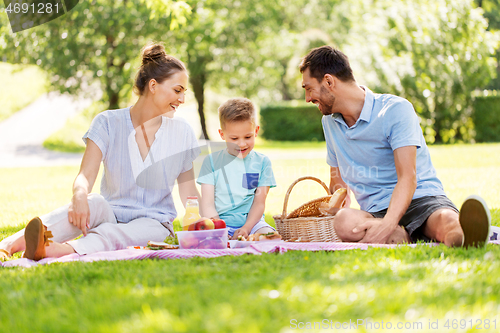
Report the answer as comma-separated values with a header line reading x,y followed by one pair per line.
x,y
235,181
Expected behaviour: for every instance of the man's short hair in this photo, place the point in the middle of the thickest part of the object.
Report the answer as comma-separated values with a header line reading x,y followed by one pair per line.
x,y
236,109
327,60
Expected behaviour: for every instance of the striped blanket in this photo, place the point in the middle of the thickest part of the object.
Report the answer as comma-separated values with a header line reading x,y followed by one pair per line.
x,y
265,247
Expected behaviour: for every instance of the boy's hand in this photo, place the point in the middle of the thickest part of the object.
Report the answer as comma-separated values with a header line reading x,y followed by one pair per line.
x,y
240,232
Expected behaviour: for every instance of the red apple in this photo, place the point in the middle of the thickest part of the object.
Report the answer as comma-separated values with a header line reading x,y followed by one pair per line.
x,y
189,242
205,224
219,223
192,226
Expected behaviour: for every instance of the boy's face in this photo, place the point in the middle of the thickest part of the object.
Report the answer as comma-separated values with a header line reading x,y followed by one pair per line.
x,y
239,137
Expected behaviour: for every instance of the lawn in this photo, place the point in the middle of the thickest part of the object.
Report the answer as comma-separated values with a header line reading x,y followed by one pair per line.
x,y
267,293
69,138
25,84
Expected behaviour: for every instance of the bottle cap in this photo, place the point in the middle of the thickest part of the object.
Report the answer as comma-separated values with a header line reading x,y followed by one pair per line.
x,y
192,197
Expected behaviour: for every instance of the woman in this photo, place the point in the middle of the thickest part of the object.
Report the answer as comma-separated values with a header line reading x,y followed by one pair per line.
x,y
143,153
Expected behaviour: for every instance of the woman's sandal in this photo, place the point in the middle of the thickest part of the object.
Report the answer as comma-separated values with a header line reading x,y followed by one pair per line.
x,y
37,237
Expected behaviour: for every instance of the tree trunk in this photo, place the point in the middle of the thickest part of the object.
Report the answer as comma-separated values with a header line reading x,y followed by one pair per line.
x,y
285,92
198,82
114,100
113,96
497,85
437,128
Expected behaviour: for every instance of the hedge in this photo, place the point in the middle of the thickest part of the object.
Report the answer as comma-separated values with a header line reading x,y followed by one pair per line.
x,y
299,121
486,117
291,121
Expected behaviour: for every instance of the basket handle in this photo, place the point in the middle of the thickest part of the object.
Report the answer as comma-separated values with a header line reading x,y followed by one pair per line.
x,y
285,203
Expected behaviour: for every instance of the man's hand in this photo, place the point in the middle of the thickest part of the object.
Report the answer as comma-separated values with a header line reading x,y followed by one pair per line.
x,y
79,212
241,232
377,230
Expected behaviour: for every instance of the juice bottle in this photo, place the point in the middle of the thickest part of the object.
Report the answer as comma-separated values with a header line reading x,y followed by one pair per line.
x,y
192,212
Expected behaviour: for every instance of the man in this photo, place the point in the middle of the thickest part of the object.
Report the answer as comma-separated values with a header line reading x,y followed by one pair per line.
x,y
377,150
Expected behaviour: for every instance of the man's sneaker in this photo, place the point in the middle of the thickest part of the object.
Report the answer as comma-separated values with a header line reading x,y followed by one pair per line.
x,y
475,220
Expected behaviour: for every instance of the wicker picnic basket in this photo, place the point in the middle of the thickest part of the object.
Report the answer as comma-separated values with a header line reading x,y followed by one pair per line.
x,y
305,222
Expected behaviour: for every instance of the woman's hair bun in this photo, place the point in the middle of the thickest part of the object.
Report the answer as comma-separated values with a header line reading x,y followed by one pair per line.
x,y
153,53
156,64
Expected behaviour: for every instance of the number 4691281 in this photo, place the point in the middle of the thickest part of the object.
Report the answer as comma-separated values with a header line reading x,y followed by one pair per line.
x,y
469,324
25,8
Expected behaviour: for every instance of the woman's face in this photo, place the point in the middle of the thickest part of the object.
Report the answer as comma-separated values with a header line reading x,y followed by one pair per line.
x,y
169,94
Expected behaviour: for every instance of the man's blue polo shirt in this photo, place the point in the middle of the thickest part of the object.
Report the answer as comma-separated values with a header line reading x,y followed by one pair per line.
x,y
364,152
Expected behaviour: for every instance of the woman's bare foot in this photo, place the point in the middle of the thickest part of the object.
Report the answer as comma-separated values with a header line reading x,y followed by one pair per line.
x,y
37,238
17,243
38,245
12,244
56,250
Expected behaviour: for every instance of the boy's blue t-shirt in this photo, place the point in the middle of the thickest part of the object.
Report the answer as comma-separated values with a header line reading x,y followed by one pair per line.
x,y
235,182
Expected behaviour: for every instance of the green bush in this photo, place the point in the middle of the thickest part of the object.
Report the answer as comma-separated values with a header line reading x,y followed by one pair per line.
x,y
486,116
291,121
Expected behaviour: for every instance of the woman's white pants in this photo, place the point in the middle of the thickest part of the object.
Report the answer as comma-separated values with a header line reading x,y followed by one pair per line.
x,y
104,232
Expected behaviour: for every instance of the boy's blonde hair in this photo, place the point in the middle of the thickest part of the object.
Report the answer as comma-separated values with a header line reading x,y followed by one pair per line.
x,y
236,109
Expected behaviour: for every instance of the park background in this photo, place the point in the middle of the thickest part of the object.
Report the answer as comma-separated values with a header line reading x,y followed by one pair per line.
x,y
441,55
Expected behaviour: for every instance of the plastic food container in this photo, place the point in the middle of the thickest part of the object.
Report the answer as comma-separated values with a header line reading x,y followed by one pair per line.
x,y
203,239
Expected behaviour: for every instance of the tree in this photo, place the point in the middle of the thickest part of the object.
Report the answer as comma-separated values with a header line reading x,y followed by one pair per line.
x,y
217,28
492,14
267,69
98,42
435,53
246,46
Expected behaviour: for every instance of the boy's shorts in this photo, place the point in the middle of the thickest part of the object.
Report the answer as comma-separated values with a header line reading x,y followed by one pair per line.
x,y
418,212
261,224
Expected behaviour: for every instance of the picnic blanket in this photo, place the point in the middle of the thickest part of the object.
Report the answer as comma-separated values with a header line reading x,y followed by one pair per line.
x,y
256,249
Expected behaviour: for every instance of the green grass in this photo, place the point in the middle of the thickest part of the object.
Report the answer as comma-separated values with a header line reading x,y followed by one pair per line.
x,y
255,293
23,84
69,138
261,143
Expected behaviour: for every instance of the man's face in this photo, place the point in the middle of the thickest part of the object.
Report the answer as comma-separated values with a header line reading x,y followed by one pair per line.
x,y
317,93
